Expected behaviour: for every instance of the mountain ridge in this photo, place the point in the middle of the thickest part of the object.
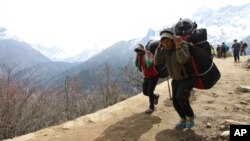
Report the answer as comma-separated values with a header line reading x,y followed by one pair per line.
x,y
20,54
221,24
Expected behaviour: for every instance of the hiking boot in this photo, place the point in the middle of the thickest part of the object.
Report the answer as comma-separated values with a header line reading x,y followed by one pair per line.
x,y
181,124
149,110
190,122
156,99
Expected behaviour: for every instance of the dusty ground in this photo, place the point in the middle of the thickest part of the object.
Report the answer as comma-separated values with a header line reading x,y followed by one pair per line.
x,y
126,120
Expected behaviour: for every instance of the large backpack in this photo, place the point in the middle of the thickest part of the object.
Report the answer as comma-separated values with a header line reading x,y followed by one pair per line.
x,y
201,66
152,45
245,45
160,68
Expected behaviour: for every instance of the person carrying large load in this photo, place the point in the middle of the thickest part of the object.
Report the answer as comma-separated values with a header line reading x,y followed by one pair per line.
x,y
188,59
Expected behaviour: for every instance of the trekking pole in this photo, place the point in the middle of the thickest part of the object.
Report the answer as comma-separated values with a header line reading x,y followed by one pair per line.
x,y
169,92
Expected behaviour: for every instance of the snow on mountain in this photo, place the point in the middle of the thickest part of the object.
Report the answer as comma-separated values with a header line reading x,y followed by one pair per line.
x,y
84,56
57,54
53,53
226,24
223,25
4,34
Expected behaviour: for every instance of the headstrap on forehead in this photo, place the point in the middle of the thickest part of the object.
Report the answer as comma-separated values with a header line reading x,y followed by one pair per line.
x,y
167,35
139,46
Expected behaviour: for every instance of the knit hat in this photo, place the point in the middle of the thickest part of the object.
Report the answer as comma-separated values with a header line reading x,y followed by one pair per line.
x,y
139,48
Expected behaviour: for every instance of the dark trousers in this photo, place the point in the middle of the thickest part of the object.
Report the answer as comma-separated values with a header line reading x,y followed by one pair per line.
x,y
181,93
148,87
224,54
236,55
243,52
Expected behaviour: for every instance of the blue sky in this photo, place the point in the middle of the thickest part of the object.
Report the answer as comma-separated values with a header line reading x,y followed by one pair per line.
x,y
77,25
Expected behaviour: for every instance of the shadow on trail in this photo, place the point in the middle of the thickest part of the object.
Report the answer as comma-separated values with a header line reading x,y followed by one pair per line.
x,y
129,129
178,135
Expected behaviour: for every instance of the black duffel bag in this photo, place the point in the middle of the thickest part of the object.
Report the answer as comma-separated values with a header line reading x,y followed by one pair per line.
x,y
162,70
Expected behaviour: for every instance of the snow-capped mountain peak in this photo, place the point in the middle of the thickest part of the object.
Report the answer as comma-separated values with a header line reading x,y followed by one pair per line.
x,y
53,53
225,24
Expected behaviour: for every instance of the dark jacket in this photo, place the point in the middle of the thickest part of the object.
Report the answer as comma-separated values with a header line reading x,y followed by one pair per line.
x,y
236,47
175,60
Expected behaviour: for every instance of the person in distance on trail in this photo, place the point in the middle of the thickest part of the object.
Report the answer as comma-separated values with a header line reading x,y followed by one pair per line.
x,y
176,54
145,63
218,50
243,47
224,49
236,51
212,52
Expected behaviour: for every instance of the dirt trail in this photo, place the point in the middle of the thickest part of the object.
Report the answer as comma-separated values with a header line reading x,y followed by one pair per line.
x,y
126,120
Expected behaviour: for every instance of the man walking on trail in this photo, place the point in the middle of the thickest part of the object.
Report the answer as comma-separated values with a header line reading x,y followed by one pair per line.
x,y
176,53
224,49
243,47
236,51
145,63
